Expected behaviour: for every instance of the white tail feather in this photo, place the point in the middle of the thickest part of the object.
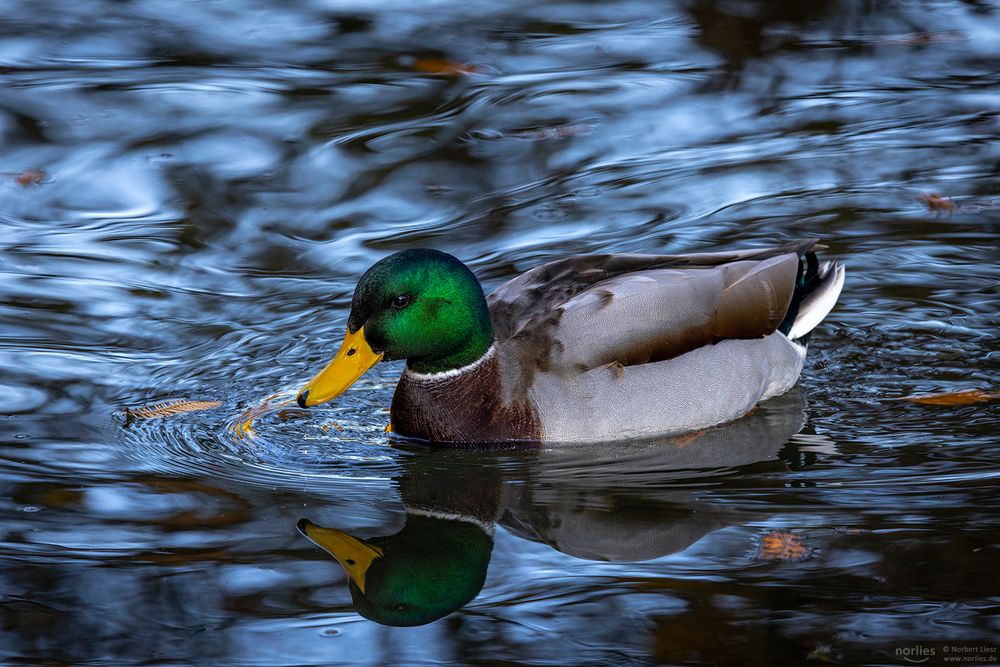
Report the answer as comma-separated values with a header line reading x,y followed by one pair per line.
x,y
815,307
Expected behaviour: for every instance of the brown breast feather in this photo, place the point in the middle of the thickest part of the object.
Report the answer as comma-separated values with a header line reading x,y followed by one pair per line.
x,y
471,407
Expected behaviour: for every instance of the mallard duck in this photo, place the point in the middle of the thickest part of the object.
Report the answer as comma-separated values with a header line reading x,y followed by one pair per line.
x,y
583,349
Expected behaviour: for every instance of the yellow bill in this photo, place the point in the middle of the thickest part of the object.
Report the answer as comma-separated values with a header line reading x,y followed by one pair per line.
x,y
354,555
353,358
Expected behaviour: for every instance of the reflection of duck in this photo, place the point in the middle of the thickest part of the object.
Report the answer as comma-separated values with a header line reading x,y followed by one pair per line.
x,y
429,569
625,506
589,348
631,508
437,562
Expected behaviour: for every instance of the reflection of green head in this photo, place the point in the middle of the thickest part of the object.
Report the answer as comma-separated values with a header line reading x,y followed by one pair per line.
x,y
427,570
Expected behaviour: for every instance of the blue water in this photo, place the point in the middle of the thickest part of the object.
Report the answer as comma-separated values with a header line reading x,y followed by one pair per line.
x,y
190,190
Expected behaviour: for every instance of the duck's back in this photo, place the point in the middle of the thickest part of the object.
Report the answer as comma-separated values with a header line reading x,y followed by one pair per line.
x,y
619,346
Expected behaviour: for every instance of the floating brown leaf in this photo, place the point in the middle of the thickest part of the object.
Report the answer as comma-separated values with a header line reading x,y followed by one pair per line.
x,y
30,177
443,67
964,397
778,545
169,409
935,202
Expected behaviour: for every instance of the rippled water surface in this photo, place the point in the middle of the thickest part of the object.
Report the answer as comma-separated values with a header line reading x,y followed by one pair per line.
x,y
190,190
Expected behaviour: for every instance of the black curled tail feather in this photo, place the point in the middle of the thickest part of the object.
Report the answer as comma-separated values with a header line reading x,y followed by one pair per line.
x,y
805,281
817,286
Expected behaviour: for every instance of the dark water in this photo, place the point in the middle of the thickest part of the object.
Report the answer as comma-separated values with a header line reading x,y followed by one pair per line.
x,y
212,179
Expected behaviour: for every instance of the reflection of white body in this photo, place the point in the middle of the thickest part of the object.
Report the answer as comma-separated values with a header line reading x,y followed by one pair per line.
x,y
621,502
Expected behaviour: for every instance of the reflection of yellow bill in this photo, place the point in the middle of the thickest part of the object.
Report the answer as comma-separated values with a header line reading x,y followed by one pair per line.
x,y
353,358
354,555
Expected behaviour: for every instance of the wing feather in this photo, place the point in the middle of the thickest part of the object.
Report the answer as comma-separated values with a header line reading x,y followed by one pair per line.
x,y
578,313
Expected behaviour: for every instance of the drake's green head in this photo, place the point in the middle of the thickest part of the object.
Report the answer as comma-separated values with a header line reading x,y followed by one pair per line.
x,y
424,572
421,305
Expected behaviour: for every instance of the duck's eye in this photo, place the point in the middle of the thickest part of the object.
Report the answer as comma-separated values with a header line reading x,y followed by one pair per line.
x,y
401,301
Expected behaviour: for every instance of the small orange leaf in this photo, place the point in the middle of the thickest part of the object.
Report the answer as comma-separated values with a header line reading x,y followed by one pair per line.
x,y
778,545
964,397
935,202
443,67
169,409
30,177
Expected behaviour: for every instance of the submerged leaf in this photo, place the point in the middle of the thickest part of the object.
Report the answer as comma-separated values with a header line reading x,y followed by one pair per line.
x,y
443,67
964,397
778,545
935,202
30,177
169,409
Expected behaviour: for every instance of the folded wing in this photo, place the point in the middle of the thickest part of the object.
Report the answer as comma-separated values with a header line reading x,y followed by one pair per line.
x,y
579,313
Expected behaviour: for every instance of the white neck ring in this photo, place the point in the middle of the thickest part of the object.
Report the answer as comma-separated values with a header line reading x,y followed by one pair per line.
x,y
454,372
